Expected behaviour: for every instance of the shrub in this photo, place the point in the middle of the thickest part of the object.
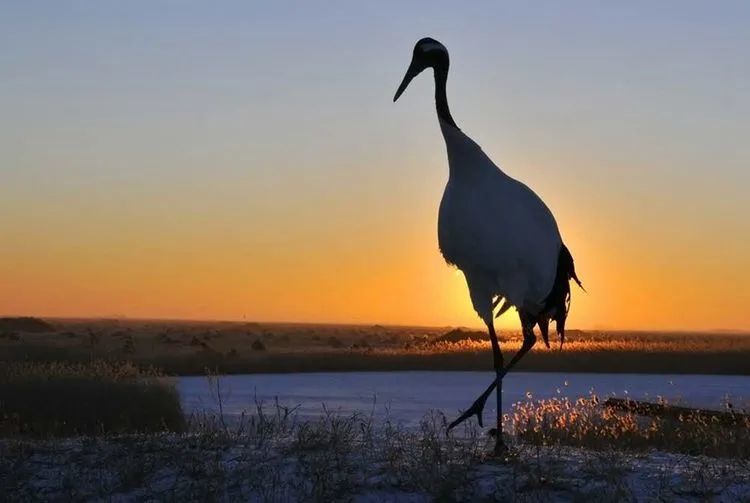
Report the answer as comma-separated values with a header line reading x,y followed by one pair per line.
x,y
258,345
129,346
11,336
165,338
44,399
361,345
195,341
335,342
458,335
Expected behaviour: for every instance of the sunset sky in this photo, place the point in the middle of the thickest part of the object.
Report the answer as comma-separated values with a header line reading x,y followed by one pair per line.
x,y
245,161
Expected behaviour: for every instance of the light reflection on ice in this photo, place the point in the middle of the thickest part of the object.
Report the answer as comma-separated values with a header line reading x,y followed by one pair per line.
x,y
407,396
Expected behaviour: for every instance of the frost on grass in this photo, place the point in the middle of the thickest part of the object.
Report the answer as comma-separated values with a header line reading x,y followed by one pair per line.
x,y
271,454
268,457
586,422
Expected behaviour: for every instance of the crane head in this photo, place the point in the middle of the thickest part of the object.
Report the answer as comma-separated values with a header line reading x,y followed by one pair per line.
x,y
428,53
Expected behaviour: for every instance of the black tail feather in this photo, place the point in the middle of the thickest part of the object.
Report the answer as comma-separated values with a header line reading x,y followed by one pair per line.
x,y
543,324
557,303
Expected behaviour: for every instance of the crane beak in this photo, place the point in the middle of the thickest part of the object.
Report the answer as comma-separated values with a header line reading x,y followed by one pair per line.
x,y
411,72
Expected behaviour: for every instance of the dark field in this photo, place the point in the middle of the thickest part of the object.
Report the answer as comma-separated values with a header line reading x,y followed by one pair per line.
x,y
188,348
94,426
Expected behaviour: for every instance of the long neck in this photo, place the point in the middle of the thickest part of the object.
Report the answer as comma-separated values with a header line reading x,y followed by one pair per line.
x,y
441,99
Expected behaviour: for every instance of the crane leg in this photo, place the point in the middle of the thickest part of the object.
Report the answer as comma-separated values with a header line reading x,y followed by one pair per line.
x,y
478,406
529,339
497,356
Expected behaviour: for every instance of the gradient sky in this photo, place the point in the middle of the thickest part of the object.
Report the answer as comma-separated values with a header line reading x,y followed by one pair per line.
x,y
233,160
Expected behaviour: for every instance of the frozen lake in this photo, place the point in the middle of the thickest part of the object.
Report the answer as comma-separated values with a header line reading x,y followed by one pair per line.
x,y
407,396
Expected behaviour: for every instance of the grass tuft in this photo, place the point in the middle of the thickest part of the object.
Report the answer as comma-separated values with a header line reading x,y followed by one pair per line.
x,y
61,399
587,423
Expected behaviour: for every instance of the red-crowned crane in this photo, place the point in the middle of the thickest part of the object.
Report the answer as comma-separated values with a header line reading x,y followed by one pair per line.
x,y
499,233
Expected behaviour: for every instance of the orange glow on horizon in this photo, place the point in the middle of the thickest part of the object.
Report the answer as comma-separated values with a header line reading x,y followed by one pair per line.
x,y
387,276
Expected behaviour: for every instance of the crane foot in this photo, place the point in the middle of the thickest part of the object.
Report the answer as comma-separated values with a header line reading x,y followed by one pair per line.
x,y
476,409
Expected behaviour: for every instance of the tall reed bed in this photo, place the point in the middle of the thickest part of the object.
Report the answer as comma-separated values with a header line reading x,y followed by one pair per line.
x,y
98,397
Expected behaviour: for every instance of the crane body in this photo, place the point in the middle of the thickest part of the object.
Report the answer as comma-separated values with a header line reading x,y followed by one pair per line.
x,y
499,233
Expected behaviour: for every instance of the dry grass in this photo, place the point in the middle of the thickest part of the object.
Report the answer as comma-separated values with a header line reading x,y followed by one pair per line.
x,y
188,348
587,423
96,398
269,455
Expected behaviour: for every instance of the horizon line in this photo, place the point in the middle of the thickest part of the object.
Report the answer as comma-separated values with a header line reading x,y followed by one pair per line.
x,y
120,317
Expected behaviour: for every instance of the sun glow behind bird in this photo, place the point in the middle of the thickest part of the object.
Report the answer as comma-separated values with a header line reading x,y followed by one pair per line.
x,y
197,163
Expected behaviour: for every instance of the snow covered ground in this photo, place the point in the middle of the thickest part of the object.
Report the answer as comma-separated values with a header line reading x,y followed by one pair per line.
x,y
344,452
395,468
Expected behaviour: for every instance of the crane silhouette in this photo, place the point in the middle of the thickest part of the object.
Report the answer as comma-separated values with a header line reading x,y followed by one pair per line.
x,y
499,233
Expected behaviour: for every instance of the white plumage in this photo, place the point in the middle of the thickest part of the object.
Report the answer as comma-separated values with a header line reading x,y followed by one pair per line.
x,y
495,229
498,232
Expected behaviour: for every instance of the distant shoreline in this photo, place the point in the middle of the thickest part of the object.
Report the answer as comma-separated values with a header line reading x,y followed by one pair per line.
x,y
184,348
572,362
124,320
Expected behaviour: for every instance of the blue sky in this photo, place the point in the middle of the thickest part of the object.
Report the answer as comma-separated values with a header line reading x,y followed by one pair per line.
x,y
269,128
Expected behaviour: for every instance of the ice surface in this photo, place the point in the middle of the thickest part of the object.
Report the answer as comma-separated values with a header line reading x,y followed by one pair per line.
x,y
407,396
